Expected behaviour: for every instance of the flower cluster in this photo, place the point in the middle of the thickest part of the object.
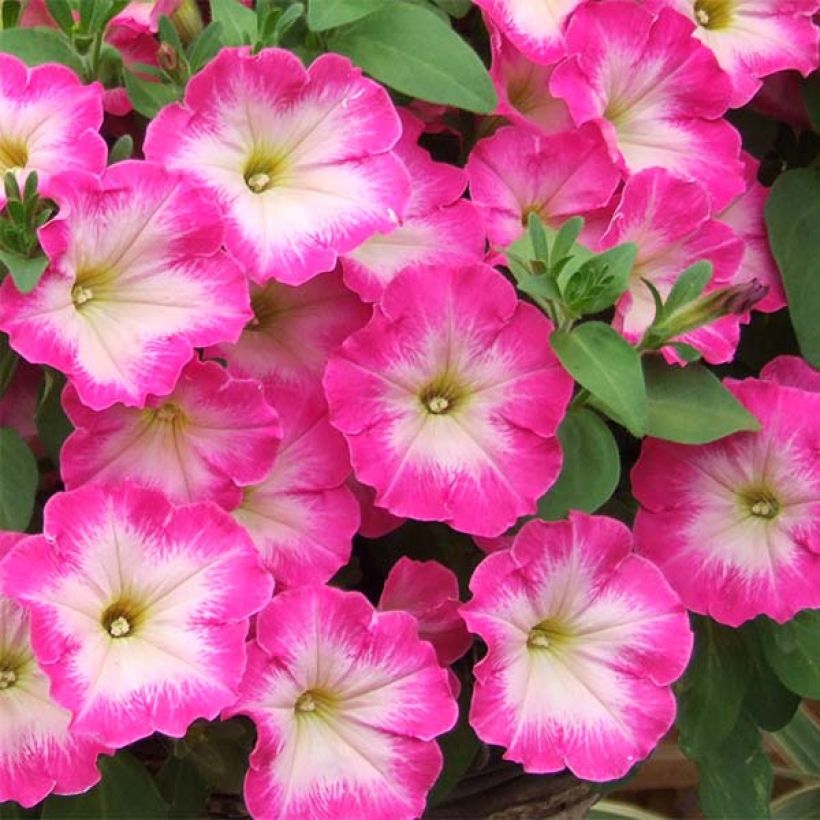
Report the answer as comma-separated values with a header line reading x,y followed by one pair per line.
x,y
288,328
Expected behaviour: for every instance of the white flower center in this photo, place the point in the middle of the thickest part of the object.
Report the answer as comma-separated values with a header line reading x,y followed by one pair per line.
x,y
81,295
437,404
119,627
259,182
7,678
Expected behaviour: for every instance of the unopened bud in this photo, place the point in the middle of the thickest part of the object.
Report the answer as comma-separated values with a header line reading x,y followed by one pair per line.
x,y
167,58
187,21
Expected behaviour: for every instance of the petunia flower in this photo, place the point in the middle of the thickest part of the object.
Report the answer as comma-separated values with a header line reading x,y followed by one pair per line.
x,y
301,515
735,524
517,172
139,610
792,371
347,702
136,280
656,93
49,122
293,331
375,521
438,227
39,753
299,158
753,38
429,592
536,28
669,219
212,434
583,641
451,396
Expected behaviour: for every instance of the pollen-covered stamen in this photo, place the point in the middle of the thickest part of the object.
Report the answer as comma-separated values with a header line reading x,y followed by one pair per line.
x,y
713,14
761,503
119,627
538,638
8,677
259,182
80,295
168,412
442,395
13,154
702,16
437,404
305,703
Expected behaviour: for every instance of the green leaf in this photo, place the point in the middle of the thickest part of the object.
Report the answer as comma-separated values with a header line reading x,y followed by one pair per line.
x,y
148,97
793,650
9,13
591,468
35,46
690,405
205,46
811,98
410,49
710,694
798,743
799,804
326,14
18,481
610,271
218,751
126,791
122,149
182,788
617,810
768,702
601,360
25,272
455,8
238,22
60,10
53,426
688,286
736,780
793,218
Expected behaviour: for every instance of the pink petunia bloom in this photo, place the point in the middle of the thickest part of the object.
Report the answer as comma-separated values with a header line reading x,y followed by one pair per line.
x,y
753,38
429,592
299,158
656,93
136,280
49,122
745,215
375,521
301,515
211,434
792,371
536,28
293,332
735,524
669,220
583,640
449,396
139,610
39,754
347,702
517,172
524,97
438,227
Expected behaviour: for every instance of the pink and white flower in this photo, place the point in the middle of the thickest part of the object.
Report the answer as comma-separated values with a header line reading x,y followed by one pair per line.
x,y
656,93
39,753
211,435
139,610
375,521
753,38
136,280
429,592
299,158
735,525
49,122
438,227
668,218
792,371
449,396
347,702
301,515
517,172
293,332
536,28
583,640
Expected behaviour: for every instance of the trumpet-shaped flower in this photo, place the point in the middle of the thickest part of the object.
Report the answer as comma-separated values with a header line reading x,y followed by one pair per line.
x,y
583,640
438,227
536,28
139,610
429,592
39,754
735,524
196,444
299,158
517,172
669,220
347,702
301,515
449,396
293,332
49,121
136,280
753,38
656,93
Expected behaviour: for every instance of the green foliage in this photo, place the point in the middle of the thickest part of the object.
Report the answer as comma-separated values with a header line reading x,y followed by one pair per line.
x,y
18,481
792,216
591,468
238,23
793,650
148,97
182,788
411,49
122,149
53,426
37,46
327,14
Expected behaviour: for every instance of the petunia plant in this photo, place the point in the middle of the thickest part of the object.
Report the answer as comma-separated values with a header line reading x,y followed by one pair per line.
x,y
408,408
